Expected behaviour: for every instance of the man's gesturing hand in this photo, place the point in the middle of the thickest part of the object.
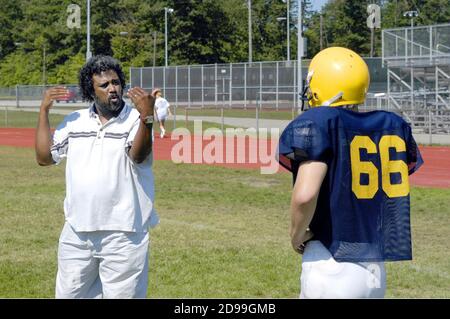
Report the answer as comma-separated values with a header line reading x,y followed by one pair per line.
x,y
143,101
51,95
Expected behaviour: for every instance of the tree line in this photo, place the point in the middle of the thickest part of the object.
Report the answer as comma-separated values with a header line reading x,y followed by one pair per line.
x,y
37,47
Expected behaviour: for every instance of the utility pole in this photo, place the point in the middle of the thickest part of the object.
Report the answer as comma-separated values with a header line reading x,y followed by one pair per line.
x,y
88,31
165,37
411,14
299,53
154,48
288,31
249,31
166,10
44,78
373,21
371,41
321,32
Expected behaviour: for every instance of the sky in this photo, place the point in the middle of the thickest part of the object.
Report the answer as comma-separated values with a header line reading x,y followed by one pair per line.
x,y
317,4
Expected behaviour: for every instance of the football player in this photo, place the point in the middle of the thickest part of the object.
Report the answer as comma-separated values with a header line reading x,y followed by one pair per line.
x,y
350,205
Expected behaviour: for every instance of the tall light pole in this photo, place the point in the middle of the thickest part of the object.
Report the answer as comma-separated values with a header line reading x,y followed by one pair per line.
x,y
166,10
249,30
299,52
411,14
373,21
154,48
44,79
321,31
288,31
88,31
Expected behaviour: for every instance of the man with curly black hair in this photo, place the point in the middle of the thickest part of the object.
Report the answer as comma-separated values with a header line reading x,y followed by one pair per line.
x,y
104,245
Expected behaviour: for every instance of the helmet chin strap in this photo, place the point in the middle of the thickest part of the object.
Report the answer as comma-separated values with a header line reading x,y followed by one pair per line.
x,y
333,99
304,96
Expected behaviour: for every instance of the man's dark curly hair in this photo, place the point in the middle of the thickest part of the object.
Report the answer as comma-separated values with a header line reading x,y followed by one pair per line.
x,y
96,65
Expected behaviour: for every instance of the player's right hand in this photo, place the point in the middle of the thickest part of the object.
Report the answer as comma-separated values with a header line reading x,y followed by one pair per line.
x,y
299,244
52,94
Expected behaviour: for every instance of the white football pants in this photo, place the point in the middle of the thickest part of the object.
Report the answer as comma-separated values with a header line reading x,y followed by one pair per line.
x,y
102,264
323,277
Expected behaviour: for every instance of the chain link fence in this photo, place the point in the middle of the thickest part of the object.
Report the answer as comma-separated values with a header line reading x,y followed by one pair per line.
x,y
237,85
259,90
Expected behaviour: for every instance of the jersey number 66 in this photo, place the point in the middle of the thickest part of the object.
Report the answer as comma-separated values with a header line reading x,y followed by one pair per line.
x,y
387,167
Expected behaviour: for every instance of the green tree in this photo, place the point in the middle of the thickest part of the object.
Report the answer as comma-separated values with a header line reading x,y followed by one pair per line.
x,y
343,24
200,31
269,36
203,33
67,73
9,15
14,69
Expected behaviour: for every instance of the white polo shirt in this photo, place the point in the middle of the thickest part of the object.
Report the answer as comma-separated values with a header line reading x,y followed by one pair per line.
x,y
105,189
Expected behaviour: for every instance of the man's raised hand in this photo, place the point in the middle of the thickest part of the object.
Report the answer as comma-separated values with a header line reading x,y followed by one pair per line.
x,y
52,94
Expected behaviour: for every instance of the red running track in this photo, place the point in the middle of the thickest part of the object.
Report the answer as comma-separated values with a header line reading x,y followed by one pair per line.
x,y
434,173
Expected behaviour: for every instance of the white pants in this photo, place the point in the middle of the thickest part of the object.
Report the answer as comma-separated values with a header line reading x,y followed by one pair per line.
x,y
162,116
323,277
106,264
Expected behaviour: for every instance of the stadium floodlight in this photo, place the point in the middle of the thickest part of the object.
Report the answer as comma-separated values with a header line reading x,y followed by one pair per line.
x,y
166,10
411,14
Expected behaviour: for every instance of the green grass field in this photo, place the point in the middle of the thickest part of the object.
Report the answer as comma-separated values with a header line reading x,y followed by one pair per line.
x,y
27,119
267,113
223,234
24,119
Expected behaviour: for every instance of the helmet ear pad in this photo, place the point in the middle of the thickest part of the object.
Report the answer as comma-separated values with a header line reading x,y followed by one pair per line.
x,y
315,96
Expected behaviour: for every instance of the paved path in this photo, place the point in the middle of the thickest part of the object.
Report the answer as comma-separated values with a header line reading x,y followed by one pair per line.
x,y
441,139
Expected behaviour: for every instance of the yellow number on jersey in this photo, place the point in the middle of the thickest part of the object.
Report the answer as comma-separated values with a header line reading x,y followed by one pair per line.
x,y
387,167
358,168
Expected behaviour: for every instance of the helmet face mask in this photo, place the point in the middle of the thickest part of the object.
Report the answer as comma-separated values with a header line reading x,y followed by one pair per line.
x,y
337,77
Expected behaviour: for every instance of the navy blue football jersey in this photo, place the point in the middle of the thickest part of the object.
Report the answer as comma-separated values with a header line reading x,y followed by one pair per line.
x,y
363,209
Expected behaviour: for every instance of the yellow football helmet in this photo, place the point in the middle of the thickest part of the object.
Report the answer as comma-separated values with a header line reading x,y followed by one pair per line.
x,y
337,76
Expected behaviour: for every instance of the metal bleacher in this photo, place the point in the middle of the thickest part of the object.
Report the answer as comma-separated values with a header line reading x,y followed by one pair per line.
x,y
418,75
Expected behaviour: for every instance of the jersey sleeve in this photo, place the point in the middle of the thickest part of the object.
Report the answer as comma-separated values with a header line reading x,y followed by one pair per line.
x,y
60,143
303,140
414,157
